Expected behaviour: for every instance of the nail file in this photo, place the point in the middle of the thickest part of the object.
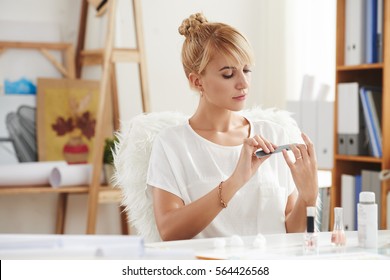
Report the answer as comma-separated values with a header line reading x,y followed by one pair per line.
x,y
260,153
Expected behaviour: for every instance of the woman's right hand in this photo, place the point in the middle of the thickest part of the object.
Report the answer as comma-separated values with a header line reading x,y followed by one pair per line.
x,y
248,162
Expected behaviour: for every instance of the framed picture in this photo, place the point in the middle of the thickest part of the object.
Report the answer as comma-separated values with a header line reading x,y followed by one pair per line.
x,y
66,118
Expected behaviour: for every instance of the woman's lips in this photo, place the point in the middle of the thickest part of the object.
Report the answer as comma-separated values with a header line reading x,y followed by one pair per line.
x,y
240,97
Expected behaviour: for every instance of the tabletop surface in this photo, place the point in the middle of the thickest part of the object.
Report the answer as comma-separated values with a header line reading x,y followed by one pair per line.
x,y
270,247
279,246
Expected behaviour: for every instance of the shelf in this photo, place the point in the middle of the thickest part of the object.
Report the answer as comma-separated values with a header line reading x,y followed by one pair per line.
x,y
66,68
359,67
358,158
47,189
41,189
34,45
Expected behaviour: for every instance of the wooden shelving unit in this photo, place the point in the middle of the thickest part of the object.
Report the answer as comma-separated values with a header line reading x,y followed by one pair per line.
x,y
107,57
377,74
67,69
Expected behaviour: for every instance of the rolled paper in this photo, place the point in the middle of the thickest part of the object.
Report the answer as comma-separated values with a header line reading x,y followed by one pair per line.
x,y
27,173
72,175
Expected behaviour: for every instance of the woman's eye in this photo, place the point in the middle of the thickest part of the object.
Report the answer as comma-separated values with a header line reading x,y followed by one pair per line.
x,y
226,76
247,70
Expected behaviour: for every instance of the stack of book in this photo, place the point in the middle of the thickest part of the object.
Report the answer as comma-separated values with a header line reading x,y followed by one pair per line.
x,y
351,186
363,30
359,112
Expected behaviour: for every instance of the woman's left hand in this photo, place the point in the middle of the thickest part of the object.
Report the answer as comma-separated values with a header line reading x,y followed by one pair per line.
x,y
304,170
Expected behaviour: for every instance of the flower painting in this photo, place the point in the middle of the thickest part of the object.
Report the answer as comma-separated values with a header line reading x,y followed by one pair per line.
x,y
66,119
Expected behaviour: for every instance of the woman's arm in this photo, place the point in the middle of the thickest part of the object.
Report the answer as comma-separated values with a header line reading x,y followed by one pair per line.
x,y
304,173
295,214
175,220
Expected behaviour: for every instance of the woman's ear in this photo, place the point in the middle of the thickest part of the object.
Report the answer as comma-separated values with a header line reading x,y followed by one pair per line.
x,y
195,81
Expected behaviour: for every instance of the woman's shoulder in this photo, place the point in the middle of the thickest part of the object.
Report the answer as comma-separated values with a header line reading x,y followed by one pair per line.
x,y
172,133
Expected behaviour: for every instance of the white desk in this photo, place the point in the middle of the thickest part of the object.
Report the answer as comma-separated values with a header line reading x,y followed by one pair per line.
x,y
280,246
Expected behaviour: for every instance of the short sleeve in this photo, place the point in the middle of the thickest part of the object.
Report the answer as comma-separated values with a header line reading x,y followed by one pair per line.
x,y
160,172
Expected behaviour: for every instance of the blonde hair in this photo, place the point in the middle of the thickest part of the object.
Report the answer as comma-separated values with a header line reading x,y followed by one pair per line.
x,y
204,39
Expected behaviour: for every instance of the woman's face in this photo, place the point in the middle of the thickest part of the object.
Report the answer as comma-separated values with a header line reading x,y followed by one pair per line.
x,y
225,85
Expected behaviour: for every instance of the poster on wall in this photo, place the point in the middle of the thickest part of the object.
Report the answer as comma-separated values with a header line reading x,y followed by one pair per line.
x,y
66,114
17,129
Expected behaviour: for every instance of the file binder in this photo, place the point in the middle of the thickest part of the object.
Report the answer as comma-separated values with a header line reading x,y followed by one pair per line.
x,y
379,33
371,31
373,147
315,118
371,103
295,108
354,32
348,200
324,144
309,116
372,183
388,210
358,189
342,144
350,121
374,97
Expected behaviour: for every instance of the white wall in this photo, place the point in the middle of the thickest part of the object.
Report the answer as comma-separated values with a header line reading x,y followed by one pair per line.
x,y
169,88
264,22
311,40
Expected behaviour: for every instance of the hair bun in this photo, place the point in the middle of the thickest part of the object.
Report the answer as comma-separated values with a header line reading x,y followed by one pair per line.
x,y
192,24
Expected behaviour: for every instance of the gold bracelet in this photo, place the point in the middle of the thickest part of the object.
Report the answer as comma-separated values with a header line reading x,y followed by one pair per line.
x,y
223,203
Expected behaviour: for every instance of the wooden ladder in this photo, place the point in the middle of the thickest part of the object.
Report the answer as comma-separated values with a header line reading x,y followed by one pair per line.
x,y
107,57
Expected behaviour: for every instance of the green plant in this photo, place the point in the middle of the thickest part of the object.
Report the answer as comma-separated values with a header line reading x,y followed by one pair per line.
x,y
109,146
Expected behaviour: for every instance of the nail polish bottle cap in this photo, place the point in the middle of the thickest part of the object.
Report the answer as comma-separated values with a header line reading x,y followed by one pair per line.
x,y
310,211
338,211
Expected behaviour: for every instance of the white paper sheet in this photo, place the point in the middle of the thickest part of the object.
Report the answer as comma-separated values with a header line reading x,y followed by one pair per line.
x,y
71,247
27,173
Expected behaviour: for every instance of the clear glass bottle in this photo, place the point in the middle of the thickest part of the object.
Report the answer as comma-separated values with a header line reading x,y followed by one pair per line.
x,y
338,234
310,244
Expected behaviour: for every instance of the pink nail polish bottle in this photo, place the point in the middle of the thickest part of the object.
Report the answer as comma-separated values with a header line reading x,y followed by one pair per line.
x,y
338,234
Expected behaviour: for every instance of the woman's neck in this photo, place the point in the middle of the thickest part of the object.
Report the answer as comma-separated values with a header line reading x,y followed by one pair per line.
x,y
215,119
222,127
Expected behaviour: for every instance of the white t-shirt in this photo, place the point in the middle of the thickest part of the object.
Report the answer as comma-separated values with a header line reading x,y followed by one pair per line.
x,y
184,163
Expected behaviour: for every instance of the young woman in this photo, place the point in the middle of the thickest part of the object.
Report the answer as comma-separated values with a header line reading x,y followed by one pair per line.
x,y
203,175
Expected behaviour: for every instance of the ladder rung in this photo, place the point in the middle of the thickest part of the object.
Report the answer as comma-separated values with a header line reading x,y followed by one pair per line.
x,y
110,195
34,45
93,57
125,55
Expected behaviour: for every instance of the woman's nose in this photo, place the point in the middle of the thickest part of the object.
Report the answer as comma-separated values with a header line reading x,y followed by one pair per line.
x,y
243,81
